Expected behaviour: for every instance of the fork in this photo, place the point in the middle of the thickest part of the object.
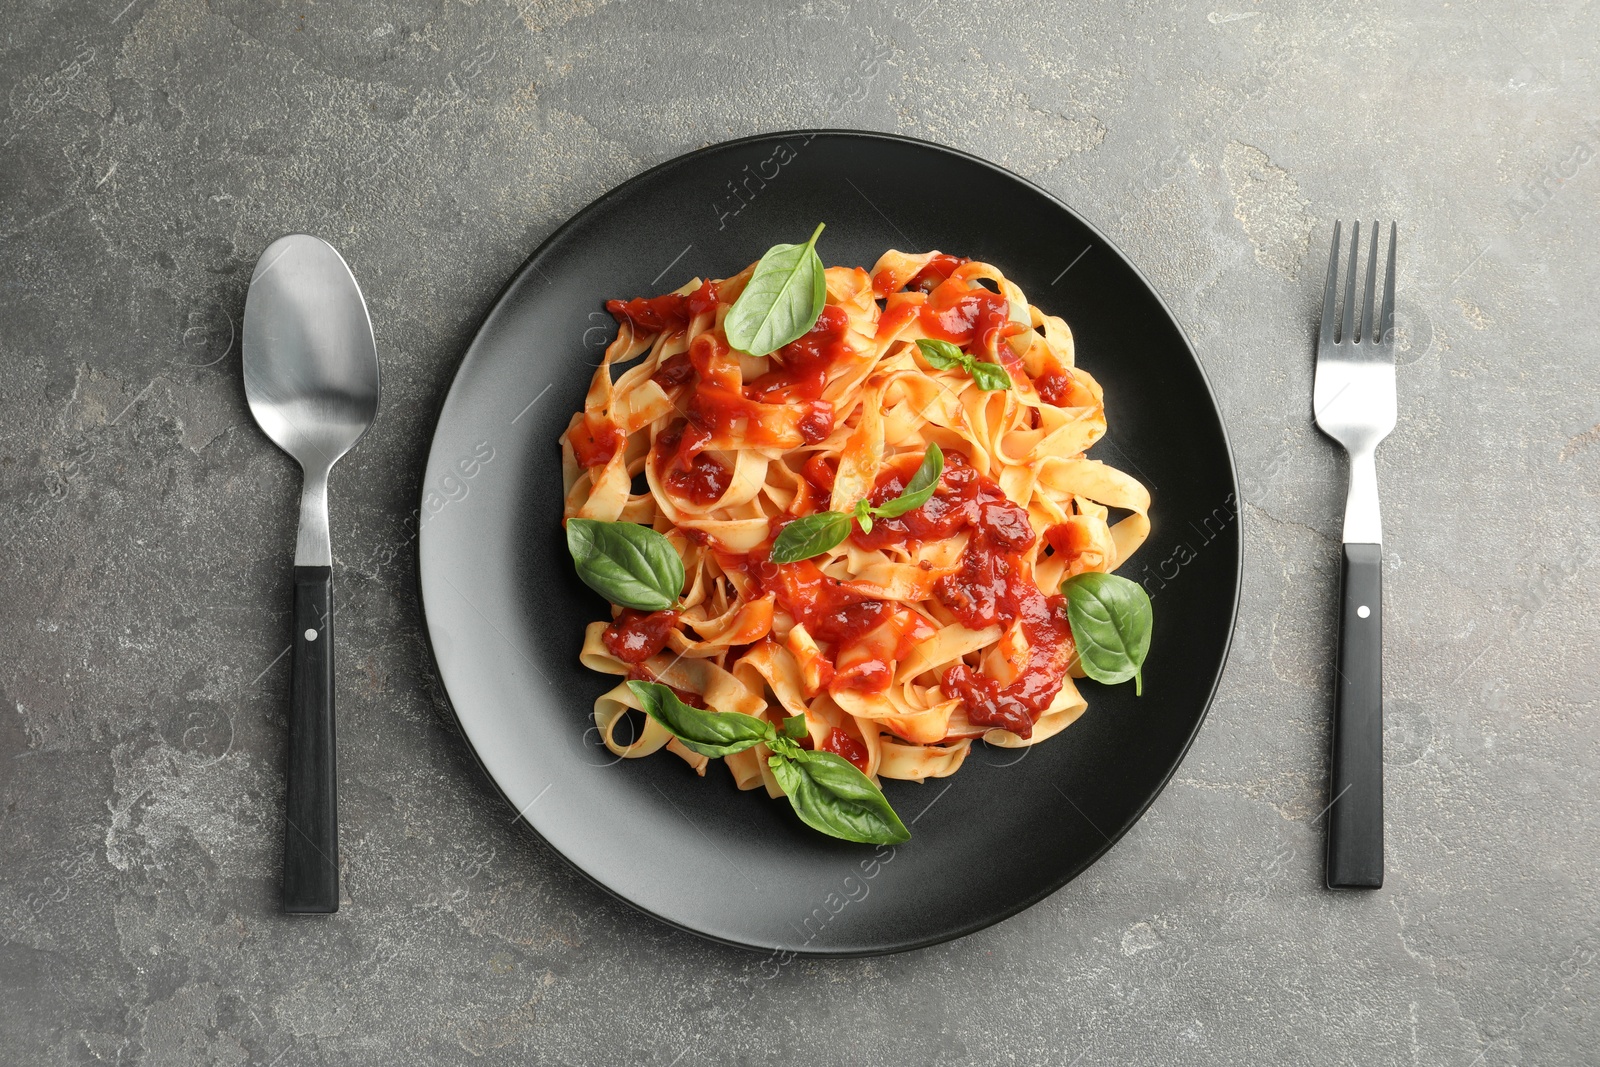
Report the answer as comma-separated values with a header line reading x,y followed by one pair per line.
x,y
1354,403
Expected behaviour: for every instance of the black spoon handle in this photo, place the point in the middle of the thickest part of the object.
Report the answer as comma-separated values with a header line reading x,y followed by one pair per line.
x,y
311,836
1355,813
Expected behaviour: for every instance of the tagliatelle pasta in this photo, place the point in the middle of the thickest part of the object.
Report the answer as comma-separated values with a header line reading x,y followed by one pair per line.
x,y
904,644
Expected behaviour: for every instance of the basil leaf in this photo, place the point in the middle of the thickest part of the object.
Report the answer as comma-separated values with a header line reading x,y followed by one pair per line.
x,y
810,536
710,733
918,489
1110,619
989,376
781,301
941,355
830,795
784,746
794,727
862,513
626,563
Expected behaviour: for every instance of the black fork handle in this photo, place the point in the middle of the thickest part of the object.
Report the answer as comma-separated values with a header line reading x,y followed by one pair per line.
x,y
311,833
1355,809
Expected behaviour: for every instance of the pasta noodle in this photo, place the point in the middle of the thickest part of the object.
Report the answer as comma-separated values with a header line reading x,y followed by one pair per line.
x,y
904,644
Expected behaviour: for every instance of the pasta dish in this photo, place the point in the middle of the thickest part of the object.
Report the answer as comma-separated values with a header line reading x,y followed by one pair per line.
x,y
878,524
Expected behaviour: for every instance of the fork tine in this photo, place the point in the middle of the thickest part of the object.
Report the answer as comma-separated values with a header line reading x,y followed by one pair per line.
x,y
1386,318
1347,321
1367,318
1331,290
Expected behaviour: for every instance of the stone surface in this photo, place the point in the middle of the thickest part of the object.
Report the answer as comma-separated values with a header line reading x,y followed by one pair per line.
x,y
149,150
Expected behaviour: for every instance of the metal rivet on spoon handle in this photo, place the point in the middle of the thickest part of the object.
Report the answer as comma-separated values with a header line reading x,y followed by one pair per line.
x,y
311,377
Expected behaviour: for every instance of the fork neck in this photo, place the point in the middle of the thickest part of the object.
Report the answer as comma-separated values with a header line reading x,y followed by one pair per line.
x,y
314,546
1362,525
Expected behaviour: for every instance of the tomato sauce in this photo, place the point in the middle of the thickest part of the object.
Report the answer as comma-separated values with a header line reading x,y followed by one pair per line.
x,y
703,483
801,375
842,744
936,272
821,471
803,364
1069,539
867,636
669,312
674,371
635,636
988,588
651,314
1063,389
962,316
1015,707
958,502
594,441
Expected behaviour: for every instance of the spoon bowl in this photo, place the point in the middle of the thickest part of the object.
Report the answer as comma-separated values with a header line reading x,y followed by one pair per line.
x,y
310,368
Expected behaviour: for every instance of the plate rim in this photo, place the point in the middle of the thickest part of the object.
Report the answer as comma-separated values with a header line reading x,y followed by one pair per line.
x,y
1013,908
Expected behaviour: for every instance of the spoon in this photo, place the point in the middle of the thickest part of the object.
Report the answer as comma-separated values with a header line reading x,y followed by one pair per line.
x,y
311,377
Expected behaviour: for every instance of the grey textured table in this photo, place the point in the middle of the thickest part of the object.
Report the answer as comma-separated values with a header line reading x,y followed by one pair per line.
x,y
149,150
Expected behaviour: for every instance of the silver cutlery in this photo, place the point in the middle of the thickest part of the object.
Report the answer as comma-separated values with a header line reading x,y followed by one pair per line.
x,y
1354,403
311,378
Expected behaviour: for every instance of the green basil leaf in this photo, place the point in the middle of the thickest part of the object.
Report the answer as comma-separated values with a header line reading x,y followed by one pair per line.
x,y
989,376
830,795
784,746
862,513
626,563
1110,619
710,733
781,301
941,355
794,727
918,489
810,536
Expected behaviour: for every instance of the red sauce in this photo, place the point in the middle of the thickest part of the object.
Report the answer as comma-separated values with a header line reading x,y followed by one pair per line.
x,y
956,504
652,314
635,636
1068,539
820,471
676,370
1062,389
936,272
989,588
704,299
1015,707
804,363
961,316
594,441
829,611
861,636
842,744
669,312
818,422
718,408
901,311
704,482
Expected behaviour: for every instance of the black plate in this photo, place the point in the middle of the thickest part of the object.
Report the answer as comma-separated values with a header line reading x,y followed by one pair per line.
x,y
506,613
